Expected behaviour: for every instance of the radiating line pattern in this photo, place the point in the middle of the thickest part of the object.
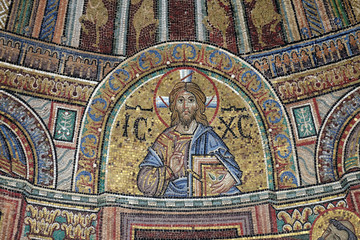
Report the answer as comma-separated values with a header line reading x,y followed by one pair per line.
x,y
313,17
49,20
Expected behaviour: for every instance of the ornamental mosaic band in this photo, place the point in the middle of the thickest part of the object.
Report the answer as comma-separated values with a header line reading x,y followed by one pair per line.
x,y
165,169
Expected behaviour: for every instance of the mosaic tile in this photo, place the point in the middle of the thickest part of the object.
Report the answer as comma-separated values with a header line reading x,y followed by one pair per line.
x,y
199,119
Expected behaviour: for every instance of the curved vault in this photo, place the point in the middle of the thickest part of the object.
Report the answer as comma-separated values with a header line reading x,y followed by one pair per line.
x,y
38,165
338,143
231,73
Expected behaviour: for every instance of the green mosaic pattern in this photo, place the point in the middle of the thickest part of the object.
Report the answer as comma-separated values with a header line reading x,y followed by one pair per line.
x,y
304,122
65,125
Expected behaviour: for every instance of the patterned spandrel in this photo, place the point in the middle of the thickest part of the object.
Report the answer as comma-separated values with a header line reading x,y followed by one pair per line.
x,y
304,122
65,124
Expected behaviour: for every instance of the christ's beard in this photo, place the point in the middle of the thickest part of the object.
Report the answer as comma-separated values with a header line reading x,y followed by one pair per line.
x,y
186,120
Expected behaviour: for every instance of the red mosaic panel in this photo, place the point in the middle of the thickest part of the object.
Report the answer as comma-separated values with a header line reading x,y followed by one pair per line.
x,y
97,29
182,20
222,29
264,22
142,25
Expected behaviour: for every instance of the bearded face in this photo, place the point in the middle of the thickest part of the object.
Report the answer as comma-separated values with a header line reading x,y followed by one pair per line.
x,y
333,233
186,106
339,230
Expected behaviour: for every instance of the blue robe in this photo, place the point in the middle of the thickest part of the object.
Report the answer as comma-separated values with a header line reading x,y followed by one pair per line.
x,y
204,142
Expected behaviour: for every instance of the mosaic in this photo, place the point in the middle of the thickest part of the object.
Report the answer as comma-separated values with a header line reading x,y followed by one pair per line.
x,y
199,119
140,125
337,222
41,222
259,90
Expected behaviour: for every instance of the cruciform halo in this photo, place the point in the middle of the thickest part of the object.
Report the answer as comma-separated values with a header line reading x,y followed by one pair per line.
x,y
185,74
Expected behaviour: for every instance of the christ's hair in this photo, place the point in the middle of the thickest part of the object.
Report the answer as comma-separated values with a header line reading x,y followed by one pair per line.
x,y
200,97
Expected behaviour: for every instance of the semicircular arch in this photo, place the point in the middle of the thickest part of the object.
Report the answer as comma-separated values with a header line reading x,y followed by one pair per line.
x,y
34,138
152,63
336,134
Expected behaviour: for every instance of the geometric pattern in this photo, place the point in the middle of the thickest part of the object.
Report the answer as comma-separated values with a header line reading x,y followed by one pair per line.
x,y
143,226
49,21
335,190
313,17
4,12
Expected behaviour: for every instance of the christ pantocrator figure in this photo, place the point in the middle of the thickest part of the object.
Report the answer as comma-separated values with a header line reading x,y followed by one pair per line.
x,y
165,169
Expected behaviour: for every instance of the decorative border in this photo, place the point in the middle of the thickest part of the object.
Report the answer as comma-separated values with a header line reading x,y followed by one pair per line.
x,y
343,147
289,197
330,136
129,75
291,88
274,236
309,48
302,218
23,44
104,63
128,217
48,86
241,222
318,81
72,222
24,138
39,137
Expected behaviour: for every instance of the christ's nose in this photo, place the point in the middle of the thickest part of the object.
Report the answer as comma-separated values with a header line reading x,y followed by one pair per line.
x,y
186,104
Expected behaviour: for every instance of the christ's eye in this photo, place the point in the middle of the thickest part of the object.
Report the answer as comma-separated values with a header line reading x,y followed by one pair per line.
x,y
191,100
180,100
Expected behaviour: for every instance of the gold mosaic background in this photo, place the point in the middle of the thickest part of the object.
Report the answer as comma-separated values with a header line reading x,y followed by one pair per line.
x,y
56,57
126,153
